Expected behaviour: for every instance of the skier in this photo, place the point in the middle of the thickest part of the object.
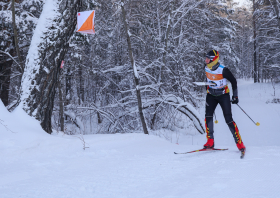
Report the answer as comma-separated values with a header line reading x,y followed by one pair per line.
x,y
219,94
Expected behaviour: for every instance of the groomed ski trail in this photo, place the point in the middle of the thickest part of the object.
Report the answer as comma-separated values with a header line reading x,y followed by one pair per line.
x,y
34,164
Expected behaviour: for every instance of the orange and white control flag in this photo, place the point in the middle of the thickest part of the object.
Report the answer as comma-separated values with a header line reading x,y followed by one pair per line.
x,y
85,22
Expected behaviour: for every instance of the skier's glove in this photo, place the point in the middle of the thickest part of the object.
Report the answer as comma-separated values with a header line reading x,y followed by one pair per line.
x,y
234,100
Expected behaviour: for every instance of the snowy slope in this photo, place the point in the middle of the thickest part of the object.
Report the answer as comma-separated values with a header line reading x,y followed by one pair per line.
x,y
34,164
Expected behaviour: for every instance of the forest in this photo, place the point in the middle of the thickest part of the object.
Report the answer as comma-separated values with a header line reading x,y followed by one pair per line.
x,y
136,72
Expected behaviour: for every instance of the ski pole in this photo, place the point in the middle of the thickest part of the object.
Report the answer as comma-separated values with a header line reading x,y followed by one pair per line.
x,y
216,121
258,124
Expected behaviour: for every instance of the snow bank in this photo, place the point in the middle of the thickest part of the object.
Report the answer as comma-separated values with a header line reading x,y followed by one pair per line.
x,y
18,130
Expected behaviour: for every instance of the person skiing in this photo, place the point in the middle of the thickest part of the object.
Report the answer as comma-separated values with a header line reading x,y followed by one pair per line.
x,y
218,93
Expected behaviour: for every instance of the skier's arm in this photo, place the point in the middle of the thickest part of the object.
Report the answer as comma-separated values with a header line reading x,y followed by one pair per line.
x,y
229,76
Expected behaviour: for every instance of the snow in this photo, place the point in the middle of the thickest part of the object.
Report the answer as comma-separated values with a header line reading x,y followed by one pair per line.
x,y
243,3
136,75
129,34
35,164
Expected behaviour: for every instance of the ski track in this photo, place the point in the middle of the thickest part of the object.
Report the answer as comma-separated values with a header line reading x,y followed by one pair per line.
x,y
36,165
122,167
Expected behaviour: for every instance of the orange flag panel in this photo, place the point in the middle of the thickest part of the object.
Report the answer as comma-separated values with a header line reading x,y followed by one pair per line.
x,y
88,24
85,22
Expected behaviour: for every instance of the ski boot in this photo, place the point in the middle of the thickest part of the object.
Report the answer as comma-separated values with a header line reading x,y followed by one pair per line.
x,y
209,144
242,148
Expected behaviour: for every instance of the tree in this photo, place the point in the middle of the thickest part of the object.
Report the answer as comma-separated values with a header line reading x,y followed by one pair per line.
x,y
242,43
17,17
135,72
140,63
16,35
7,51
266,40
256,79
48,47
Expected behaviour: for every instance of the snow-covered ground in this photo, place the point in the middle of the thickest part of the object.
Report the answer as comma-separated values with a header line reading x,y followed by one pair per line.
x,y
35,164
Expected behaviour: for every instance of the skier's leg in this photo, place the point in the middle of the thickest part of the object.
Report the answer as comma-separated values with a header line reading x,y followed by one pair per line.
x,y
226,107
211,104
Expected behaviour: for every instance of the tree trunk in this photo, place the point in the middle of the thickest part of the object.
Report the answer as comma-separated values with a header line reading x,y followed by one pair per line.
x,y
136,76
82,85
48,47
16,35
5,75
68,87
255,44
61,106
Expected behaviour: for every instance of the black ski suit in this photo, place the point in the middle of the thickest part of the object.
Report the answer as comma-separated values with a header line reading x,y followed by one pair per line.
x,y
215,97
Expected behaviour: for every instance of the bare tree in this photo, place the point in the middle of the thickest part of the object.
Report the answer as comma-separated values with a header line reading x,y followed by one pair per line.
x,y
135,72
255,43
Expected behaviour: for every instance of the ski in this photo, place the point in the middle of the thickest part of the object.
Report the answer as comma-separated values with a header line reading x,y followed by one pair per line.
x,y
208,149
242,154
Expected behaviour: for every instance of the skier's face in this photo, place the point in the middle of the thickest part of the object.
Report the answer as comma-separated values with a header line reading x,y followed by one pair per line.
x,y
207,60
